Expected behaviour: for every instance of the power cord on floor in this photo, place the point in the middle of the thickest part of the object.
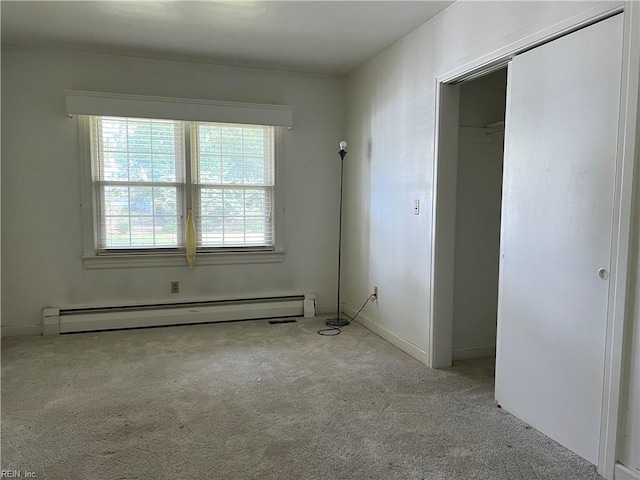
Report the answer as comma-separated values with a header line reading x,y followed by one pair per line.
x,y
333,331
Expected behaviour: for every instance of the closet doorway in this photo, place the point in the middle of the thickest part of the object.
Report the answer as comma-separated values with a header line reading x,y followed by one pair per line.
x,y
477,215
467,217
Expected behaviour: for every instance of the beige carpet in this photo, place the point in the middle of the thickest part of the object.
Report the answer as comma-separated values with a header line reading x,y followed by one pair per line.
x,y
250,400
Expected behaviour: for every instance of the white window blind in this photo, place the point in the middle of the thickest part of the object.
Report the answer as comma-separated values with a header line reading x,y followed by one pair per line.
x,y
139,182
142,187
233,183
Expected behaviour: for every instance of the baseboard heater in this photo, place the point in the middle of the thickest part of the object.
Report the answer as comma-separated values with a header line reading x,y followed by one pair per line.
x,y
68,320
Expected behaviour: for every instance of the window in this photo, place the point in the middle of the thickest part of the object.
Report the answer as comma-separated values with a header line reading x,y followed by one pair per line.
x,y
147,173
139,182
233,181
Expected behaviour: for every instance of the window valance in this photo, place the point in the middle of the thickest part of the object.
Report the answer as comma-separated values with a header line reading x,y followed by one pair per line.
x,y
188,109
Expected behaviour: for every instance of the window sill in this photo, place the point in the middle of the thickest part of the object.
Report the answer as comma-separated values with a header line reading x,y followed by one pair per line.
x,y
179,260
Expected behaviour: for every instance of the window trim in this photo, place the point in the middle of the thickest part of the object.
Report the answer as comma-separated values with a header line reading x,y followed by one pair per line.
x,y
92,258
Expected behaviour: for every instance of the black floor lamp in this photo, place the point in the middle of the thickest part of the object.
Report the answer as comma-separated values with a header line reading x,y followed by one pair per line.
x,y
337,321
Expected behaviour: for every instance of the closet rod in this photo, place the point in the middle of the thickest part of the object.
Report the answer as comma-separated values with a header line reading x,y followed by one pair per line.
x,y
501,132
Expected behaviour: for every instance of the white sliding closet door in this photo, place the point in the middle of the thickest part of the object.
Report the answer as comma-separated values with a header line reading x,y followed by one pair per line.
x,y
560,149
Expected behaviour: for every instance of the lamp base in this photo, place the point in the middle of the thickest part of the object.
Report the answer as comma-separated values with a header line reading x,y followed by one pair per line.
x,y
337,322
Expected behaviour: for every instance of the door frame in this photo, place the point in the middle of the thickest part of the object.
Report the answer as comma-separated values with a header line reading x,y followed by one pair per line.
x,y
444,192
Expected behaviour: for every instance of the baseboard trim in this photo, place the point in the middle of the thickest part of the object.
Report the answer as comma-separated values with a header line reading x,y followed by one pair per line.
x,y
20,330
468,353
403,344
623,472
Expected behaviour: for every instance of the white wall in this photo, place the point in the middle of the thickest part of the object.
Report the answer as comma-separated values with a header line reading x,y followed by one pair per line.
x,y
41,234
478,205
391,116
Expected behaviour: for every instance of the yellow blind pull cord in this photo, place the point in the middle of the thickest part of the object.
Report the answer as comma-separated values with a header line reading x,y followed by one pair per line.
x,y
190,240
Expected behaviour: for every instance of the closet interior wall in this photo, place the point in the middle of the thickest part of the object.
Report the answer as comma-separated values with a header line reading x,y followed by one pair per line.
x,y
478,205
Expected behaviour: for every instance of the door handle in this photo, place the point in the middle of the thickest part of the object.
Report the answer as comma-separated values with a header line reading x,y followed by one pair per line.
x,y
603,273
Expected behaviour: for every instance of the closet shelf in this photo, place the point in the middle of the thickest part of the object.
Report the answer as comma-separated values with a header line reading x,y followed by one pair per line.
x,y
499,124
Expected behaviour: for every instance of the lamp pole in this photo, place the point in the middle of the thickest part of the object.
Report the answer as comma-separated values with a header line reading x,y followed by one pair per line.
x,y
337,321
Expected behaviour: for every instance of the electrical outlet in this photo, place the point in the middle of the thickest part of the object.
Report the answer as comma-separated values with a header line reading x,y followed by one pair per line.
x,y
375,291
175,287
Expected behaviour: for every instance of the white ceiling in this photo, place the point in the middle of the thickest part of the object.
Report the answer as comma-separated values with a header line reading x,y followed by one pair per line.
x,y
330,37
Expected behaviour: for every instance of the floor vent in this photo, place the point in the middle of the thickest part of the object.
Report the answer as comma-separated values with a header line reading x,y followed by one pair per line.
x,y
283,320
